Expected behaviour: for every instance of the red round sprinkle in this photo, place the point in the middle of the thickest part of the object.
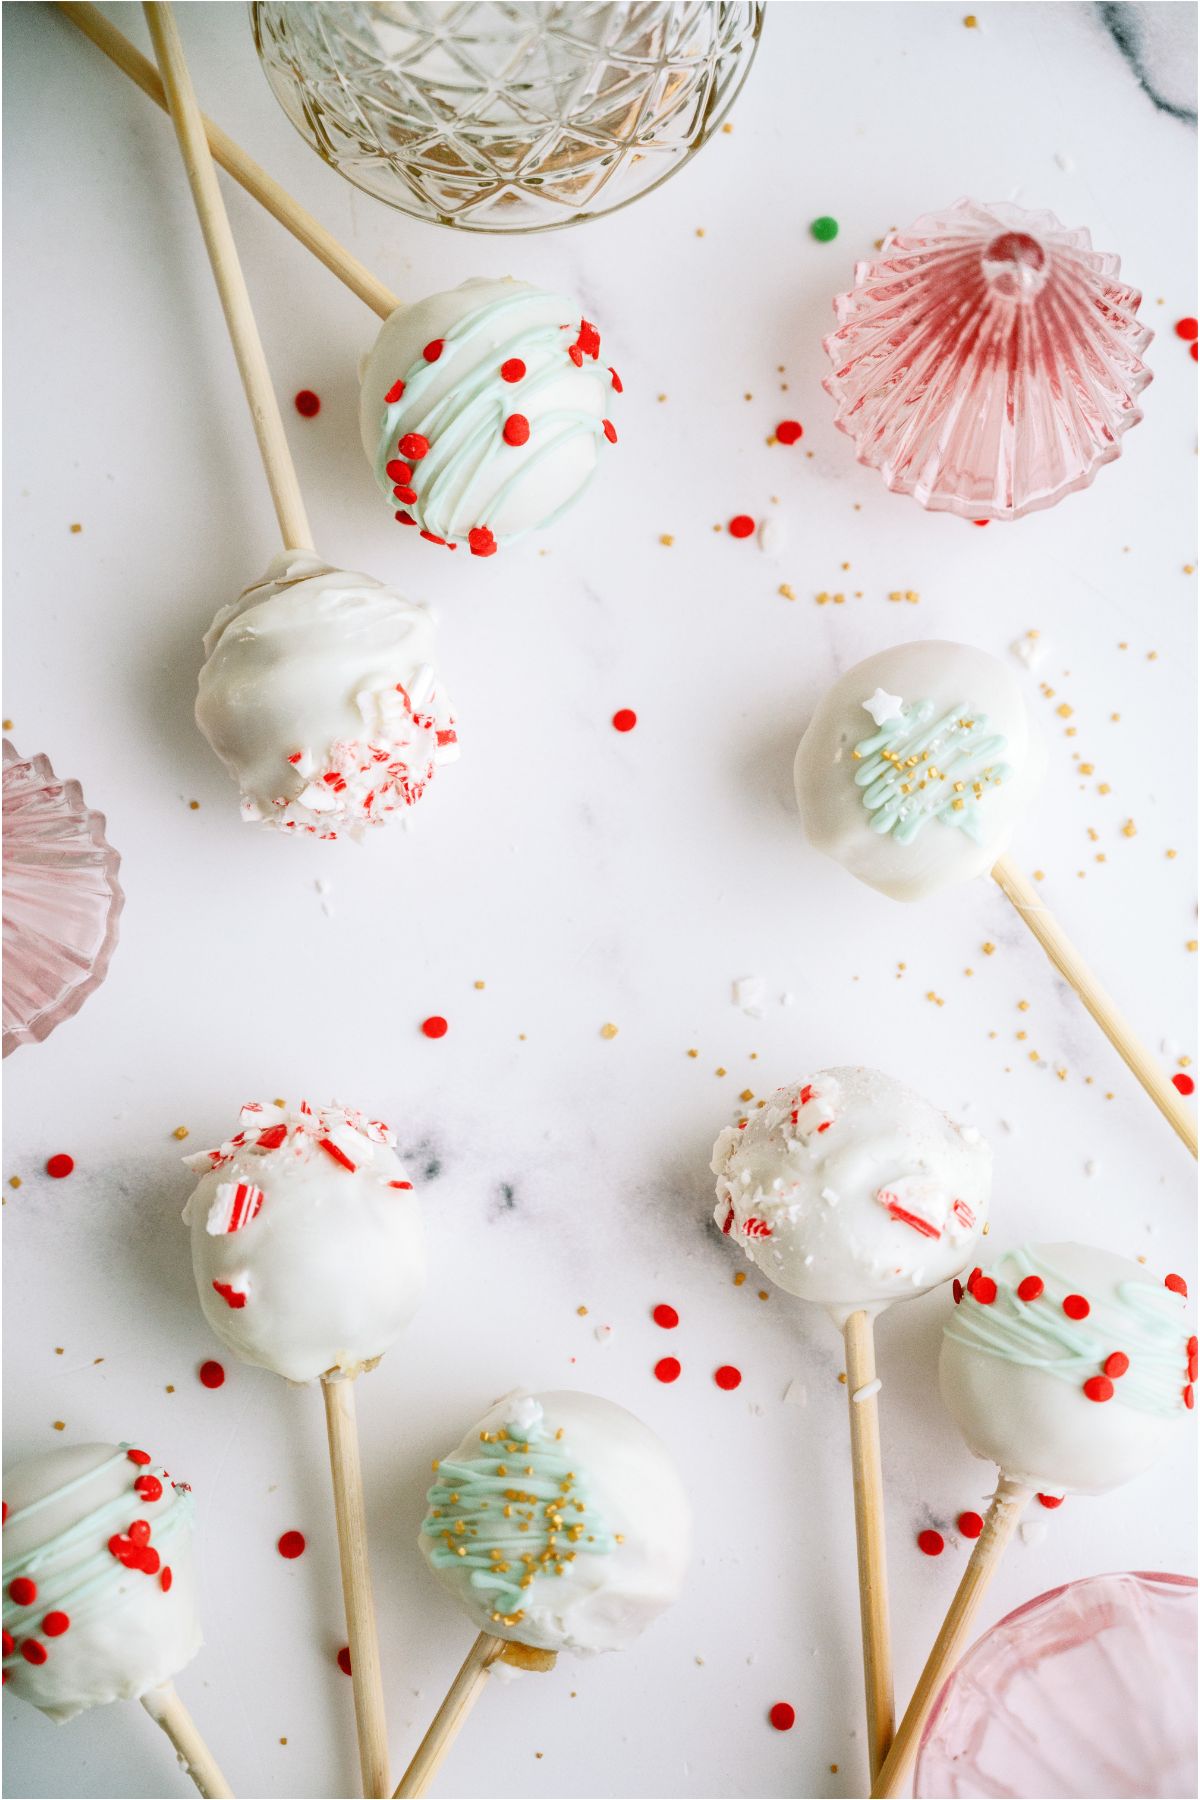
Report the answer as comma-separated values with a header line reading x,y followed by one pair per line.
x,y
957,1291
981,521
343,1660
668,1368
789,431
972,1278
22,1591
970,1524
1189,1398
1193,1366
1076,1307
575,354
741,526
140,1457
394,393
55,1623
516,429
931,1542
984,1290
624,719
1183,1084
1051,1500
291,1544
149,1487
4,1503
166,1578
434,1026
8,1643
404,518
782,1716
1187,329
618,384
727,1377
413,446
1177,1284
212,1375
148,1560
61,1165
1098,1388
33,1652
1032,1288
433,349
398,471
610,430
666,1316
1195,358
1116,1364
307,404
512,370
408,495
139,1532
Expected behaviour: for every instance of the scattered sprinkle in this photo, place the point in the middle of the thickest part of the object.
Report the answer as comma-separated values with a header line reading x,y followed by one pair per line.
x,y
824,229
212,1375
970,1524
1184,1084
343,1663
666,1316
434,1026
180,1132
609,1031
932,1543
668,1368
291,1545
624,719
307,404
741,526
60,1165
782,1715
727,1377
789,431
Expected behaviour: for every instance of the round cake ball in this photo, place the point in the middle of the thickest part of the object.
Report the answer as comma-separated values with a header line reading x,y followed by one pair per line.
x,y
306,1240
850,1190
99,1581
319,695
1068,1366
559,1522
485,412
916,767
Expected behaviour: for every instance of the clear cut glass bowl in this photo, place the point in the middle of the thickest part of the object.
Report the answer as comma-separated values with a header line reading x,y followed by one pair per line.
x,y
506,115
61,899
1089,1690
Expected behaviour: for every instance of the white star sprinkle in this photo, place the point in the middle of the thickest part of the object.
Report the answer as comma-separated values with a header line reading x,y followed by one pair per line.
x,y
883,706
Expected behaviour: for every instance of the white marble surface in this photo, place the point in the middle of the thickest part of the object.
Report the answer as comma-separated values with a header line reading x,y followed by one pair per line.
x,y
584,876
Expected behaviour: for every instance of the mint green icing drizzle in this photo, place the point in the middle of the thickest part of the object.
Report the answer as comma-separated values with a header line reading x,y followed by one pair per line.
x,y
464,426
516,1511
916,768
1037,1334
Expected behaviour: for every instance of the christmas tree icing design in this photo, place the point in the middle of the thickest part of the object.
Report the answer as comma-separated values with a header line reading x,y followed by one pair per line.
x,y
919,766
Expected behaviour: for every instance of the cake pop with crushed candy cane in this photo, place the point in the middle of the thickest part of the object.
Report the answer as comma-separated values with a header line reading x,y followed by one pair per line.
x,y
320,695
307,1243
485,412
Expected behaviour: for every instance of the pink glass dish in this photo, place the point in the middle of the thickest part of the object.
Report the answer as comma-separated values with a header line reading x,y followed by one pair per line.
x,y
988,361
61,899
1088,1690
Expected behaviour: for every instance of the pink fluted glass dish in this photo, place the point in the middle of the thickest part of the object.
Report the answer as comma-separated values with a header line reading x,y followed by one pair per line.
x,y
62,899
1088,1690
988,361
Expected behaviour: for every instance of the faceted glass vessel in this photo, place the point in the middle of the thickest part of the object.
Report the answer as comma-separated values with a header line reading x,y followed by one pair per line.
x,y
1088,1690
988,361
61,899
513,116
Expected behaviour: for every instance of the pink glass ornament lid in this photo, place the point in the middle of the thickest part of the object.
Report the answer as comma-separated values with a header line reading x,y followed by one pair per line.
x,y
1088,1690
62,899
988,361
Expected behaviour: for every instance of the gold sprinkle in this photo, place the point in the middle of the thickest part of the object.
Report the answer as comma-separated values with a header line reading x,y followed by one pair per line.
x,y
693,1053
283,1740
1171,855
14,1181
739,1278
746,1094
1104,788
722,1071
787,592
727,128
75,530
666,539
971,22
989,949
480,985
8,724
193,805
1039,874
609,1031
699,231
60,1424
1191,944
1129,829
581,1312
842,1377
435,1465
170,1388
180,1132
1064,711
661,398
1022,1006
763,1294
280,1103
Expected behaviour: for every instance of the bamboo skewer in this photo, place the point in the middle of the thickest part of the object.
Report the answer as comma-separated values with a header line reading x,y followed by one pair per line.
x,y
234,160
349,1505
452,1714
168,1711
1003,1517
1076,973
859,1336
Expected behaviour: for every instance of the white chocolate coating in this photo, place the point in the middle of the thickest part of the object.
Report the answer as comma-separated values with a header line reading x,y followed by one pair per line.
x,y
603,1504
312,1265
1013,1370
851,1191
974,823
130,1625
319,695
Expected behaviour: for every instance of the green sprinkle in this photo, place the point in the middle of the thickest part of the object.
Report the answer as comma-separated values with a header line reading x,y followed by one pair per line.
x,y
824,229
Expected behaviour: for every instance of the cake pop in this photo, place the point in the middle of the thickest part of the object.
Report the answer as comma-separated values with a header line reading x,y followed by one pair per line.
x,y
100,1588
1069,1367
484,412
318,693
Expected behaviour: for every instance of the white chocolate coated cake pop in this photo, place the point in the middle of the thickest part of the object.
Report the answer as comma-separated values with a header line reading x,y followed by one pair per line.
x,y
916,766
851,1191
559,1522
319,694
99,1580
307,1243
1068,1366
485,412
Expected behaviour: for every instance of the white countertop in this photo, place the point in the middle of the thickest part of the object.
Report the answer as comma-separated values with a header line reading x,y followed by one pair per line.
x,y
585,876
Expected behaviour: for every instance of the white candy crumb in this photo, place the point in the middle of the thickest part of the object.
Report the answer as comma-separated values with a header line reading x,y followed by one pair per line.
x,y
787,999
1090,1167
795,1393
1032,649
748,993
603,1333
1065,161
772,534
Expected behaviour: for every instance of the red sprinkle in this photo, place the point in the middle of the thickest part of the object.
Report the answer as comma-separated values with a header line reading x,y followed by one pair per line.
x,y
972,1278
512,370
984,1290
165,1578
1051,1500
666,1316
22,1591
394,393
55,1623
981,521
343,1660
790,431
141,1457
1098,1388
1032,1288
413,446
139,1532
1177,1284
409,497
1076,1307
433,349
398,471
516,429
229,1295
931,1542
1195,358
291,1545
33,1652
957,1290
212,1375
403,518
61,1165
434,1026
481,541
618,384
741,526
1189,1398
307,404
668,1368
8,1643
149,1487
1116,1364
727,1377
970,1524
1188,329
1183,1084
624,719
782,1715
610,430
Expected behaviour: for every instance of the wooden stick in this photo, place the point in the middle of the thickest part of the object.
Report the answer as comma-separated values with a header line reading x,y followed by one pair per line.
x,y
231,285
859,1335
349,1505
1074,970
167,1709
1003,1517
465,1689
233,159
